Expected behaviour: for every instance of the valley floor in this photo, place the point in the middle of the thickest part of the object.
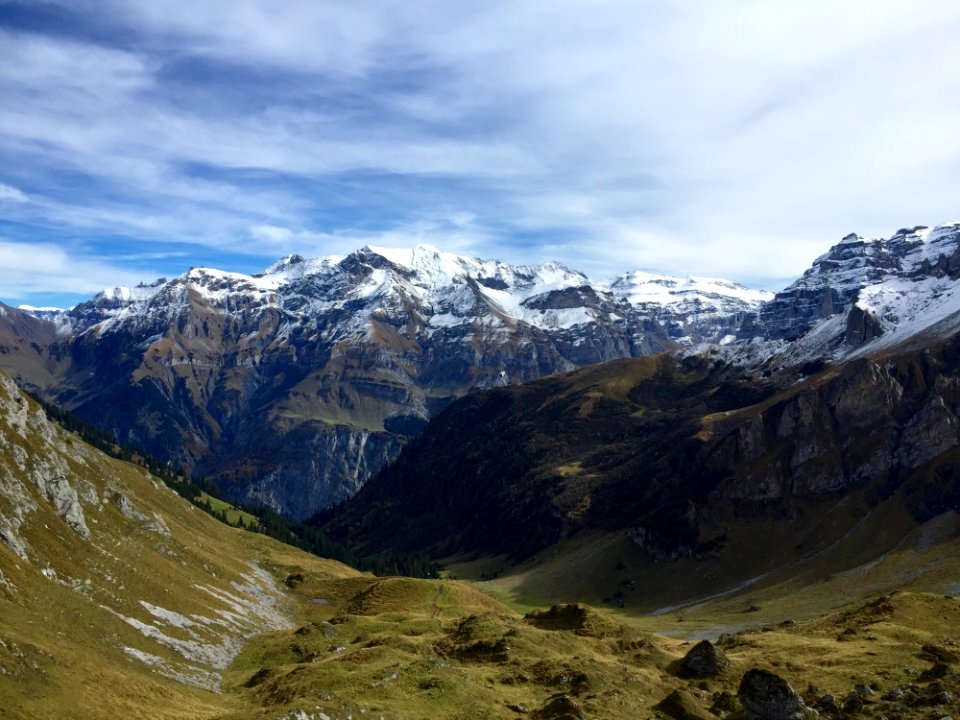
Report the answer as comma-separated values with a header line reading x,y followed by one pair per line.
x,y
360,646
402,648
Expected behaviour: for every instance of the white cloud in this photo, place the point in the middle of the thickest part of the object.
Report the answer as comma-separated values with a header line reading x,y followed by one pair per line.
x,y
31,268
8,192
738,138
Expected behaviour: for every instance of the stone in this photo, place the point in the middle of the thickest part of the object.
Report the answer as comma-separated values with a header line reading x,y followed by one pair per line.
x,y
769,697
938,670
560,707
704,660
724,702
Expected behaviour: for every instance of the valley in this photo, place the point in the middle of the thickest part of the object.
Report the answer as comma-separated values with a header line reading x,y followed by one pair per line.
x,y
479,361
118,597
607,475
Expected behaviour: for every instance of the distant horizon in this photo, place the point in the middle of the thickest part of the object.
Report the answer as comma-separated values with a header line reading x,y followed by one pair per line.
x,y
736,140
387,251
76,299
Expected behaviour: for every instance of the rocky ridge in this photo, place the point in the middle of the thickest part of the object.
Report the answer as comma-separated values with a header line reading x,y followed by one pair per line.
x,y
860,297
294,386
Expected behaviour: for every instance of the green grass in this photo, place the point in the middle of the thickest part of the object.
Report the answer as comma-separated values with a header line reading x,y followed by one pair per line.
x,y
364,646
233,515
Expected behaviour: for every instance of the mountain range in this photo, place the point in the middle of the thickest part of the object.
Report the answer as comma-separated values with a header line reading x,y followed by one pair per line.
x,y
776,473
293,387
118,598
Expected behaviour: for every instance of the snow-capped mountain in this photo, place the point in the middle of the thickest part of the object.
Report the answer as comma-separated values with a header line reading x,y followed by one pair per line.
x,y
443,290
692,307
294,385
862,296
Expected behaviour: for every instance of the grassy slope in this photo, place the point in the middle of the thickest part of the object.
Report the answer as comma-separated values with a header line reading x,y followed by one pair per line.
x,y
234,515
62,608
399,648
393,647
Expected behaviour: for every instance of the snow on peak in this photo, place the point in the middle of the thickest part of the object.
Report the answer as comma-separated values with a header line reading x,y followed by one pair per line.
x,y
430,264
433,268
32,309
284,263
854,262
125,294
643,288
432,289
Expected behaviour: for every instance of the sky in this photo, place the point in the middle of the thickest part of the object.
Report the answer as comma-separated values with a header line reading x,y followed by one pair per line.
x,y
736,139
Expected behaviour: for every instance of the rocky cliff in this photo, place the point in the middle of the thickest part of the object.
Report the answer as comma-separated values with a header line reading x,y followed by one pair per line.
x,y
294,386
690,458
863,295
881,422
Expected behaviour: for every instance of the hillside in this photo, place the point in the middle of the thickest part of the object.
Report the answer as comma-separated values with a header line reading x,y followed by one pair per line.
x,y
116,595
513,470
294,386
685,463
119,599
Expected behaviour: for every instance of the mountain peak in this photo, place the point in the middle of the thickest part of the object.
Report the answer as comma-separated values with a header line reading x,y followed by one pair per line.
x,y
642,288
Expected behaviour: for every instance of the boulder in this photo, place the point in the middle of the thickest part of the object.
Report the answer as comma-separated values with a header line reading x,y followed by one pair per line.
x,y
769,697
704,660
560,707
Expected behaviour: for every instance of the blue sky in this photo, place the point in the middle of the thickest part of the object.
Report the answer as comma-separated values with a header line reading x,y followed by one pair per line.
x,y
736,139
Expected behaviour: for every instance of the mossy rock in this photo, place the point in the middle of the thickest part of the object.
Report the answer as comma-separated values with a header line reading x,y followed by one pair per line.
x,y
559,707
681,705
574,617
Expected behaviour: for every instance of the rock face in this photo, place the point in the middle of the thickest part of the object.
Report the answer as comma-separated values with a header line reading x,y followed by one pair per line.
x,y
47,472
864,422
24,346
863,294
766,696
294,386
694,309
837,278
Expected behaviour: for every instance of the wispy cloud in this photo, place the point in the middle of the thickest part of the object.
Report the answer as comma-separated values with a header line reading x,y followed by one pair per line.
x,y
735,139
11,194
32,269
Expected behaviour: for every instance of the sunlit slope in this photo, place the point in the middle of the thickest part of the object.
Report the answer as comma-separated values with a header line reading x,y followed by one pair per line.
x,y
399,648
117,596
117,599
655,481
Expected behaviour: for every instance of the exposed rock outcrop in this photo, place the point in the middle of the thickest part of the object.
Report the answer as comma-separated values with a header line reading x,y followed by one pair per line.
x,y
766,696
20,427
861,423
704,660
